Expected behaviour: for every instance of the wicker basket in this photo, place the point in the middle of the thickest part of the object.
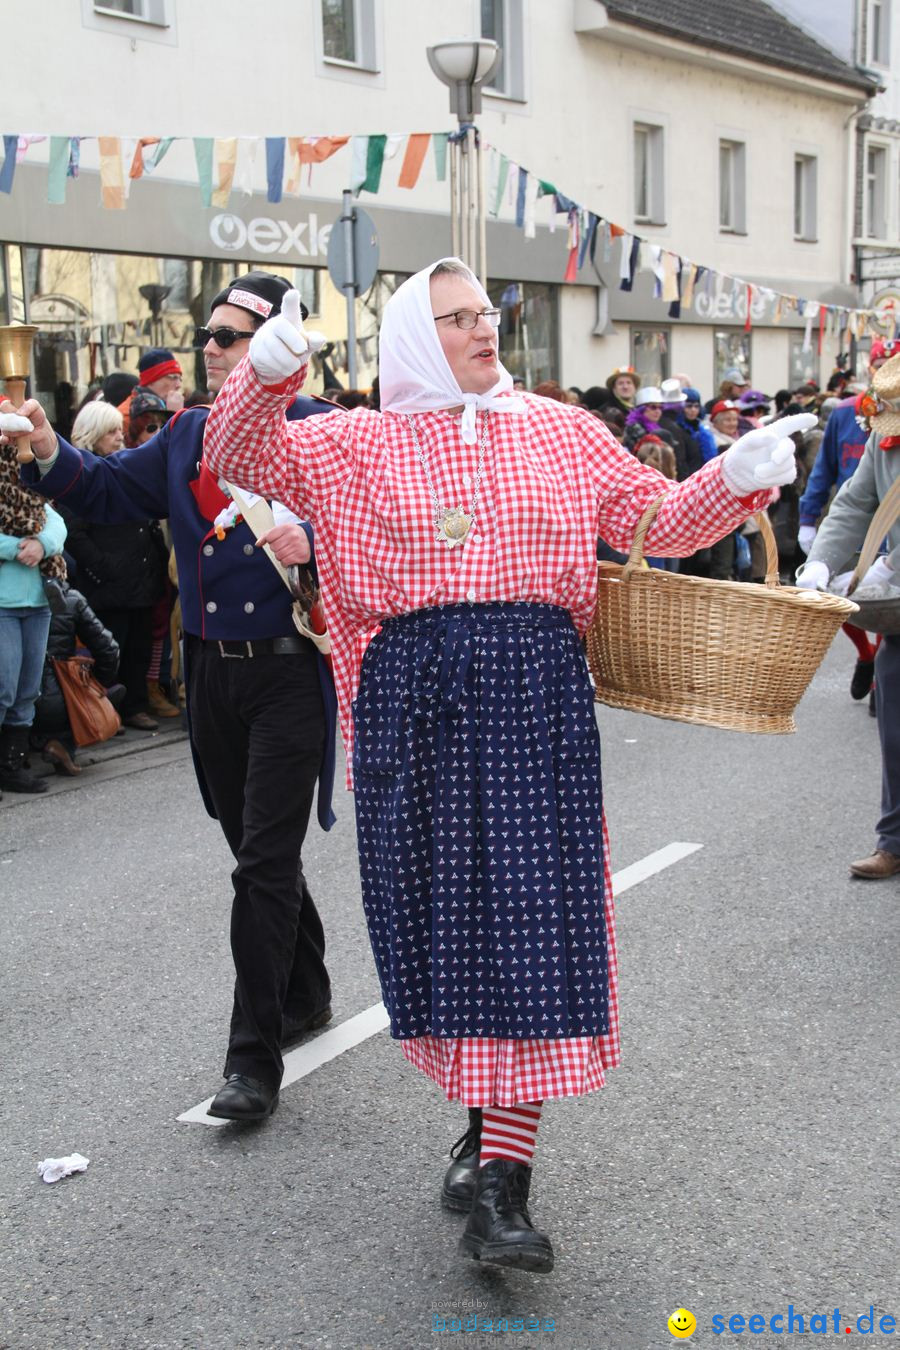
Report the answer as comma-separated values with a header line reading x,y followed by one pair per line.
x,y
877,616
719,653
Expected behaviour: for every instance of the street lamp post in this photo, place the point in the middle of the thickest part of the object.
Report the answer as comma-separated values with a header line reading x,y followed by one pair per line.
x,y
465,65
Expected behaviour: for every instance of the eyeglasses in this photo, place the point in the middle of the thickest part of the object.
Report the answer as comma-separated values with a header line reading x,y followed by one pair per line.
x,y
468,318
651,405
222,337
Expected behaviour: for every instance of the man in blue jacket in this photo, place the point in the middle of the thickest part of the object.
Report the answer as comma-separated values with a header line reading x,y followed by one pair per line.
x,y
260,699
839,453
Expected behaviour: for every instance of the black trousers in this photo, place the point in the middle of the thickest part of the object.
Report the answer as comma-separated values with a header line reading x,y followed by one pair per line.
x,y
133,630
258,726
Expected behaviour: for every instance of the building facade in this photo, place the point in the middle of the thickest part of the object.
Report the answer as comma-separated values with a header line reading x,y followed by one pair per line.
x,y
733,154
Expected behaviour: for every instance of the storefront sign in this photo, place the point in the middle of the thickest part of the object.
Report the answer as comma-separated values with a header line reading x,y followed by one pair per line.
x,y
264,234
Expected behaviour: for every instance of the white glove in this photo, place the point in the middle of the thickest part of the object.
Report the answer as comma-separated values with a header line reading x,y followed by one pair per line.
x,y
764,457
805,536
879,576
281,346
839,583
813,576
13,424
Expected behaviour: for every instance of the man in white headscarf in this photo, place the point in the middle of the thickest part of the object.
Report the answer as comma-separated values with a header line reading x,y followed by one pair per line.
x,y
459,525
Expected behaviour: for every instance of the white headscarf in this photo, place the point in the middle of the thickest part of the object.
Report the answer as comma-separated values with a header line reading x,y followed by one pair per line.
x,y
414,375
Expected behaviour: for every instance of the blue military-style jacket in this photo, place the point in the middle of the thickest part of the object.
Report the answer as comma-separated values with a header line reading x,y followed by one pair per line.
x,y
229,589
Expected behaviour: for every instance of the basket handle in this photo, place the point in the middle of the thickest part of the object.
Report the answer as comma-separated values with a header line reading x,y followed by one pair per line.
x,y
636,552
886,515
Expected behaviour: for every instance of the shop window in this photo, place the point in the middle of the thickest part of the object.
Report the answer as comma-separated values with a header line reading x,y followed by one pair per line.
x,y
803,365
649,173
348,32
503,21
528,329
805,193
650,353
731,350
733,187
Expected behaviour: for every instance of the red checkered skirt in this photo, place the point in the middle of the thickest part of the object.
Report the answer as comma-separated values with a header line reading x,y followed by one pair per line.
x,y
489,1071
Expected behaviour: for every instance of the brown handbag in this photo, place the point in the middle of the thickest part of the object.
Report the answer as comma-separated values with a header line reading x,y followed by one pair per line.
x,y
91,715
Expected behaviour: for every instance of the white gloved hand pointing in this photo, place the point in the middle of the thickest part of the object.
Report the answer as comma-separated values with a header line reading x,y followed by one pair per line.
x,y
282,346
765,457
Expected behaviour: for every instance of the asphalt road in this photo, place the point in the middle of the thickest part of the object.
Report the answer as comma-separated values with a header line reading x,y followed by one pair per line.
x,y
743,1159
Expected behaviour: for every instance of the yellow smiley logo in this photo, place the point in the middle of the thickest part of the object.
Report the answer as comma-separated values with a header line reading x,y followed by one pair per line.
x,y
682,1323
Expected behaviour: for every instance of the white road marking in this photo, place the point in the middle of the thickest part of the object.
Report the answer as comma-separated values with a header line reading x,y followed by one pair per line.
x,y
649,866
306,1058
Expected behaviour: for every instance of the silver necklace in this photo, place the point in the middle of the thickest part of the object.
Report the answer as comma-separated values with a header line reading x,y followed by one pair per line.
x,y
452,524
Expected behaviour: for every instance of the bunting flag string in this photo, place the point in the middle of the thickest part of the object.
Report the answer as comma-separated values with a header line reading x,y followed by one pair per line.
x,y
226,163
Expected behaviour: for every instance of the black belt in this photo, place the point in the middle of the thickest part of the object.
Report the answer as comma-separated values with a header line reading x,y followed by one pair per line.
x,y
280,646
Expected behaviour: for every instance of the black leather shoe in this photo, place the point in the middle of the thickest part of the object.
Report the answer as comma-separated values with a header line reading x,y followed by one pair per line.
x,y
863,675
499,1231
458,1190
292,1032
243,1098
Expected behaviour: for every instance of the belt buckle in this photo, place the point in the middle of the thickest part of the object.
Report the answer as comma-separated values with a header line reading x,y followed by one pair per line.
x,y
235,656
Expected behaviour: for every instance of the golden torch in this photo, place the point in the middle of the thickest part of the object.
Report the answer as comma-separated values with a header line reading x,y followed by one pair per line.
x,y
15,367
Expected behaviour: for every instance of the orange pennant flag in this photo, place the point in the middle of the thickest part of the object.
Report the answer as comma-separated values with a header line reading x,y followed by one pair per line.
x,y
226,159
137,163
112,183
320,149
615,230
416,150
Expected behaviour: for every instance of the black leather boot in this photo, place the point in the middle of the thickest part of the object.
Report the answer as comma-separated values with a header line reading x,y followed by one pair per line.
x,y
14,776
499,1231
458,1189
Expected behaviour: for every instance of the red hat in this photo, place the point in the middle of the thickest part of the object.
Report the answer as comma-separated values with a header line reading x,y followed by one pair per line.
x,y
156,362
723,405
883,348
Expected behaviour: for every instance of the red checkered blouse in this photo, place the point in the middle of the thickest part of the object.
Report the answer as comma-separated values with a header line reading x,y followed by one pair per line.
x,y
554,479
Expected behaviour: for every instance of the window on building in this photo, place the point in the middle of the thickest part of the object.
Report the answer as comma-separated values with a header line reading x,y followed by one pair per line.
x,y
805,190
348,32
802,365
879,32
149,11
503,21
528,329
731,348
876,192
733,187
650,353
649,174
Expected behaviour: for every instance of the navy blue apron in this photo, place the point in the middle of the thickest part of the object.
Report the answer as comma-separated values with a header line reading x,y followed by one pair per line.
x,y
478,808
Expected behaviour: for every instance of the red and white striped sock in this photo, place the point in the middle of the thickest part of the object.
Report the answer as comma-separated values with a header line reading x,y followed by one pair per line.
x,y
510,1132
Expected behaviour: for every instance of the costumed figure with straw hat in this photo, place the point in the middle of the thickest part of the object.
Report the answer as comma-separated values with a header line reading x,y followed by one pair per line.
x,y
456,535
839,538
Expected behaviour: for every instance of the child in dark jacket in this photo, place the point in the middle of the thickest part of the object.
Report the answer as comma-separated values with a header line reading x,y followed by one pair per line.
x,y
72,623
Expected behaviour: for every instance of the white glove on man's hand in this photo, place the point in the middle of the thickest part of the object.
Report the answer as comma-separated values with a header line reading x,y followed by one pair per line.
x,y
805,536
813,576
281,346
879,576
764,457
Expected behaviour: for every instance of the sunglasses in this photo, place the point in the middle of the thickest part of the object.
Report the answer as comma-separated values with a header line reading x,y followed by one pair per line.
x,y
153,426
468,318
222,337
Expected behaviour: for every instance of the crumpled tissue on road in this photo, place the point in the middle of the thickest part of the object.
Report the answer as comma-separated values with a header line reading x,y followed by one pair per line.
x,y
52,1169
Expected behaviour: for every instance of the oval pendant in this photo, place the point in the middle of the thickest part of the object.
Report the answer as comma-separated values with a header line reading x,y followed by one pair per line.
x,y
453,526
